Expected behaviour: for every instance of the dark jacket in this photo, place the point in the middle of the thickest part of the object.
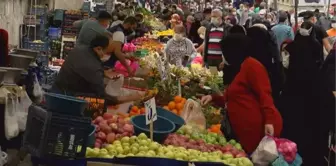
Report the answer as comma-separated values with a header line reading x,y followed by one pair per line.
x,y
193,35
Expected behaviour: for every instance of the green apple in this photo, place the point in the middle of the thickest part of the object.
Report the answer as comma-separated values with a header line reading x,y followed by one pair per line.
x,y
117,142
133,139
141,154
153,146
95,152
180,155
181,149
143,143
203,159
238,146
227,156
232,142
126,144
113,152
120,150
152,152
170,154
194,160
143,148
130,154
180,132
121,156
142,136
245,161
127,149
135,145
125,139
134,150
170,147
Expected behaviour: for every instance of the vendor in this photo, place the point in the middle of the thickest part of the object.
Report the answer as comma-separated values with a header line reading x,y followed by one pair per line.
x,y
119,34
180,50
83,72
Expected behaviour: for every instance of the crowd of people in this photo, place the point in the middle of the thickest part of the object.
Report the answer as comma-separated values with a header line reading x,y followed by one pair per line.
x,y
280,78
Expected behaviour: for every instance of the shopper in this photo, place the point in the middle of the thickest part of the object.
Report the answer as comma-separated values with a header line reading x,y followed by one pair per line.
x,y
89,29
282,31
119,34
213,36
83,73
207,17
177,10
248,98
193,32
300,106
179,50
120,17
332,31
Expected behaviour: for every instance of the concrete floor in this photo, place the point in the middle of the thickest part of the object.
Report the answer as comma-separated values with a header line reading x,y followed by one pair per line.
x,y
11,157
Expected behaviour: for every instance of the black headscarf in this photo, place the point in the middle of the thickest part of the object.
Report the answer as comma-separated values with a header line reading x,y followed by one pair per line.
x,y
235,49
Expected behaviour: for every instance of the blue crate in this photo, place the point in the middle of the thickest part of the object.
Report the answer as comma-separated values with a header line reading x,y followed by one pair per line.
x,y
54,33
38,11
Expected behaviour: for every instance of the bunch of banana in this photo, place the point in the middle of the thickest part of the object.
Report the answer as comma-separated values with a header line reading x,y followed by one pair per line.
x,y
168,32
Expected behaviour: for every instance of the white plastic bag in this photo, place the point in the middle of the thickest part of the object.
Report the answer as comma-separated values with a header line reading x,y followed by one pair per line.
x,y
114,86
265,153
193,115
37,91
22,110
11,121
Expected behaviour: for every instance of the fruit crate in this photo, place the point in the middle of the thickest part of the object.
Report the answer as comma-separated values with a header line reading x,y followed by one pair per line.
x,y
53,135
37,46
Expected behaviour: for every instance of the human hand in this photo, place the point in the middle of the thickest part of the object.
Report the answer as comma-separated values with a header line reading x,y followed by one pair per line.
x,y
206,99
269,129
130,72
221,66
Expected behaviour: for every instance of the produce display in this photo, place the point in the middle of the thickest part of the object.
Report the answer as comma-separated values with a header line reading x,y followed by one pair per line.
x,y
111,127
176,106
168,32
141,146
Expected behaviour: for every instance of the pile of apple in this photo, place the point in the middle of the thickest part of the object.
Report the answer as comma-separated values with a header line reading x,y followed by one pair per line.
x,y
207,137
111,127
201,145
141,146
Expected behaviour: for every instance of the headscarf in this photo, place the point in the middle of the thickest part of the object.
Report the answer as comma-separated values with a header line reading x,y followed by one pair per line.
x,y
237,29
235,49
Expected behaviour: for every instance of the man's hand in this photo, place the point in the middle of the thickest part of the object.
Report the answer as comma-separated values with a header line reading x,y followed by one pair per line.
x,y
221,66
130,72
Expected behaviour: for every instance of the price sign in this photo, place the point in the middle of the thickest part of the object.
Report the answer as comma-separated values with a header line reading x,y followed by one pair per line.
x,y
151,114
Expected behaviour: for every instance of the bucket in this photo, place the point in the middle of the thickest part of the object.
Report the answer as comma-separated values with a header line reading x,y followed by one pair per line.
x,y
91,138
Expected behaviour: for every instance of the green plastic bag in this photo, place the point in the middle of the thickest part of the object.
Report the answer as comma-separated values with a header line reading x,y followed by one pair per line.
x,y
280,161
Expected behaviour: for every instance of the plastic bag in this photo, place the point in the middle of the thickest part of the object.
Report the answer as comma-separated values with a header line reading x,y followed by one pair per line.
x,y
282,162
113,86
121,69
37,89
193,115
11,121
266,152
22,110
286,148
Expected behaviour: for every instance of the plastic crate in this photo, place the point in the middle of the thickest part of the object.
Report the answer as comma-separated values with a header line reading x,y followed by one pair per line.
x,y
31,20
38,10
37,46
54,33
53,135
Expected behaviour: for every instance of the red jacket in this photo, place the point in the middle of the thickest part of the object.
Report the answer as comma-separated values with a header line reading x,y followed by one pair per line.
x,y
250,104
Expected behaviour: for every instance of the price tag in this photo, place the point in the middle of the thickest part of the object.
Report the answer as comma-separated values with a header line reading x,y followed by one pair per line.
x,y
161,68
151,114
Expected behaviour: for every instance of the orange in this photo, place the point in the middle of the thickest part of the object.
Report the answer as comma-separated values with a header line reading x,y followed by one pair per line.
x,y
183,100
174,111
179,106
142,110
171,105
180,111
177,99
166,107
135,108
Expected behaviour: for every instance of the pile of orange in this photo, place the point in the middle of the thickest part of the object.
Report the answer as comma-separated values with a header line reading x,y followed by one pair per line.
x,y
176,106
135,110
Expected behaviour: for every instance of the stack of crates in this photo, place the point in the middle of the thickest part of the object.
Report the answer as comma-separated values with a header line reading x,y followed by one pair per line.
x,y
53,135
70,17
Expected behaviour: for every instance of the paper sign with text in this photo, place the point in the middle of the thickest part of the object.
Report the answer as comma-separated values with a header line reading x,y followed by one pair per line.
x,y
150,107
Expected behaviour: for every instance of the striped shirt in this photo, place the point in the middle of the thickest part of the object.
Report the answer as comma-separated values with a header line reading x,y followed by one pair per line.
x,y
214,47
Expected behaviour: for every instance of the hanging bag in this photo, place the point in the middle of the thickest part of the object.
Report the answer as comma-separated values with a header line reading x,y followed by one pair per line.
x,y
22,110
193,115
11,122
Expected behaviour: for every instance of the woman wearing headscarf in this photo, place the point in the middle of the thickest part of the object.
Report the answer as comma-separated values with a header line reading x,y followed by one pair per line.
x,y
248,98
193,32
180,50
266,50
300,105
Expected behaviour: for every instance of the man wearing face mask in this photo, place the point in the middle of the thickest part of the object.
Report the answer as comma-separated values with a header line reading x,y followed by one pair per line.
x,y
83,72
319,33
119,36
207,17
89,29
213,37
282,31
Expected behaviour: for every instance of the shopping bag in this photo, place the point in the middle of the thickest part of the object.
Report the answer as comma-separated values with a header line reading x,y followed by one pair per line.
x,y
37,89
266,152
280,161
193,115
114,86
11,122
22,110
226,127
286,148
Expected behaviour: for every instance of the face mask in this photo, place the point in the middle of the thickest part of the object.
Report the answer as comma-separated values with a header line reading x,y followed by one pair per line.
x,y
201,36
178,37
215,21
333,25
234,13
226,6
105,57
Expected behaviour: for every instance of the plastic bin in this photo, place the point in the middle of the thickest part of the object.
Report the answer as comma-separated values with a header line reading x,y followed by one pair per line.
x,y
52,135
54,33
65,104
161,127
177,120
38,46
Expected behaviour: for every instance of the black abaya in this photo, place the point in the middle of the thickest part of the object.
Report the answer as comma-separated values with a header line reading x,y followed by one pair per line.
x,y
300,101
